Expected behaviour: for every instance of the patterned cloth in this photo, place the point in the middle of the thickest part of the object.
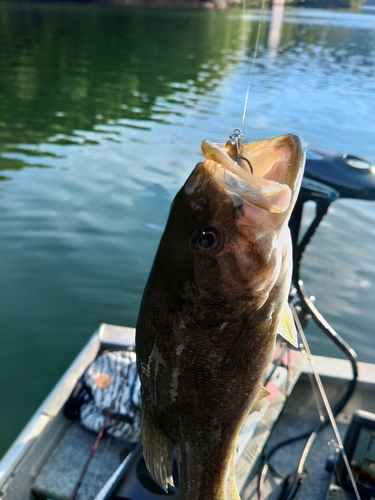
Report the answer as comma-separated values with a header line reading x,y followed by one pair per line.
x,y
113,377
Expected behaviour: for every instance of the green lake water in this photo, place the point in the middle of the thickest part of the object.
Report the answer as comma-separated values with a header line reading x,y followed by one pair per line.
x,y
102,112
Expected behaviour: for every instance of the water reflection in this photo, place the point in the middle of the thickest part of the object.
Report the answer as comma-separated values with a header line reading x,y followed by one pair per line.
x,y
275,28
69,67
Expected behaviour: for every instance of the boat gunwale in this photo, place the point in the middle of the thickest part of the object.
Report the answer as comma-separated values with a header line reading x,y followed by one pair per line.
x,y
334,370
47,411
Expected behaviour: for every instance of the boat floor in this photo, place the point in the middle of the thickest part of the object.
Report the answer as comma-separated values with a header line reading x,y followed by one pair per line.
x,y
300,414
61,472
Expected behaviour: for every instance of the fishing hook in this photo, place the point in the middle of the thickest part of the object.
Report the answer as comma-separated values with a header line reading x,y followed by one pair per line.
x,y
240,157
235,138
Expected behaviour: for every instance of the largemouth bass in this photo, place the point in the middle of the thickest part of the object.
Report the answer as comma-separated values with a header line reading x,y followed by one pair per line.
x,y
210,311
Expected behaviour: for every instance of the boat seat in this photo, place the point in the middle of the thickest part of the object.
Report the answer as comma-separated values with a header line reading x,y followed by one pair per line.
x,y
57,479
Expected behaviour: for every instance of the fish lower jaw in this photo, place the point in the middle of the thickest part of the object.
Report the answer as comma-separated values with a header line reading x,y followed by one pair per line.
x,y
266,194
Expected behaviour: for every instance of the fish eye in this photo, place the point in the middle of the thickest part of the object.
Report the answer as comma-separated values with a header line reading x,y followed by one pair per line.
x,y
206,240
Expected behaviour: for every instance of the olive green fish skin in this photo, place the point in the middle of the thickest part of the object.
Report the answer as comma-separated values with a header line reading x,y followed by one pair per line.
x,y
206,331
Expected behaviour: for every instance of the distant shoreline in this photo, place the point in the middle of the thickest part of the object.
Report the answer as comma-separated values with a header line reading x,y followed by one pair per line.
x,y
225,4
228,4
176,4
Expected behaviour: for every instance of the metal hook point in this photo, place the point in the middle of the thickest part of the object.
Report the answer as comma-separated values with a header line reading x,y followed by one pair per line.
x,y
240,157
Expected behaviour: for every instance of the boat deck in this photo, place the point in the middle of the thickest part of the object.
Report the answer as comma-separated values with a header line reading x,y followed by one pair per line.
x,y
46,460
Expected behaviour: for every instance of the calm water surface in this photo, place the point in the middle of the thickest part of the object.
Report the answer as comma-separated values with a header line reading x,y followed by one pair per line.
x,y
102,112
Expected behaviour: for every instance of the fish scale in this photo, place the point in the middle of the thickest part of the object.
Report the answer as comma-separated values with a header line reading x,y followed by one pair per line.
x,y
215,296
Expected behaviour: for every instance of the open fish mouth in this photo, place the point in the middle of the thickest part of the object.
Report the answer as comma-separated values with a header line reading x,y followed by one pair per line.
x,y
265,173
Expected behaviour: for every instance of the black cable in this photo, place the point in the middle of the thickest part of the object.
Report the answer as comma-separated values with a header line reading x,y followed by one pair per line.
x,y
322,206
327,329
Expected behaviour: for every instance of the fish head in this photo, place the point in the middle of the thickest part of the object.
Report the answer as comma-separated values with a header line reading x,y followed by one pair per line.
x,y
232,214
266,174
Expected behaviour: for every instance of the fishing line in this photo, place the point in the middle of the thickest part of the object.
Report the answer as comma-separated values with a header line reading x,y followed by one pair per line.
x,y
253,63
327,407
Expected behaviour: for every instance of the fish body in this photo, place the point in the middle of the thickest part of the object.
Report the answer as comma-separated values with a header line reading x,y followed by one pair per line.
x,y
210,309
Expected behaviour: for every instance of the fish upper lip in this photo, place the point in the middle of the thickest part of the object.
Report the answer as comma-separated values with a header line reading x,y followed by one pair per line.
x,y
276,165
